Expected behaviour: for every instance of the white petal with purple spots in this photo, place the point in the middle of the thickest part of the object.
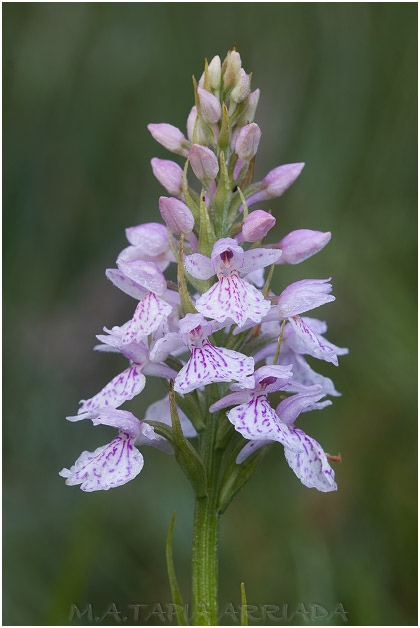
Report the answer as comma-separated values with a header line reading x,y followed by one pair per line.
x,y
212,364
149,314
234,298
108,466
302,339
122,388
311,464
256,420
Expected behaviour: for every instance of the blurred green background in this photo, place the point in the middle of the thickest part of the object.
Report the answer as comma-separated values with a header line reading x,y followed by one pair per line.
x,y
80,83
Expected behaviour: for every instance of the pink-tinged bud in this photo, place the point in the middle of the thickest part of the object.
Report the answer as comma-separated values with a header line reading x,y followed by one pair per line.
x,y
231,68
242,87
169,174
274,183
249,114
210,106
203,162
298,245
176,214
247,142
256,225
278,180
215,72
191,123
170,137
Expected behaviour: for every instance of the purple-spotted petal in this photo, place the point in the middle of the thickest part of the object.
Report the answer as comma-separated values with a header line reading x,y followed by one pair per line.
x,y
135,351
259,258
251,447
122,388
158,369
303,374
121,419
125,284
136,253
230,400
152,237
164,346
212,364
256,420
232,297
256,277
302,339
311,464
199,266
277,371
109,466
191,322
145,274
235,257
149,314
303,296
289,409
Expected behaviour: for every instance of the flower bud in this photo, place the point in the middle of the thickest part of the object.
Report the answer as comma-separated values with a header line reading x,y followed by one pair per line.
x,y
203,162
176,214
192,117
241,88
278,180
231,67
247,142
275,183
215,72
249,113
170,137
298,245
169,174
256,225
210,106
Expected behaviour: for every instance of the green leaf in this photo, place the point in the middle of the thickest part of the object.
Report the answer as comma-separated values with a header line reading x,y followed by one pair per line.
x,y
244,613
173,583
190,196
190,405
185,453
222,198
184,295
237,475
207,236
225,134
162,430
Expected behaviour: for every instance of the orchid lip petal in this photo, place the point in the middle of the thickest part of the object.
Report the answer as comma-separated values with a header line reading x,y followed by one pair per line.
x,y
122,388
232,297
146,319
256,420
210,364
310,464
107,467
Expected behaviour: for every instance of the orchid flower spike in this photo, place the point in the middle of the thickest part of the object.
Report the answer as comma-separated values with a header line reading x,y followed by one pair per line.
x,y
213,319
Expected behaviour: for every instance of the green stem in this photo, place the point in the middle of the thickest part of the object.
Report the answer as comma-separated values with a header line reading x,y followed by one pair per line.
x,y
206,529
205,563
